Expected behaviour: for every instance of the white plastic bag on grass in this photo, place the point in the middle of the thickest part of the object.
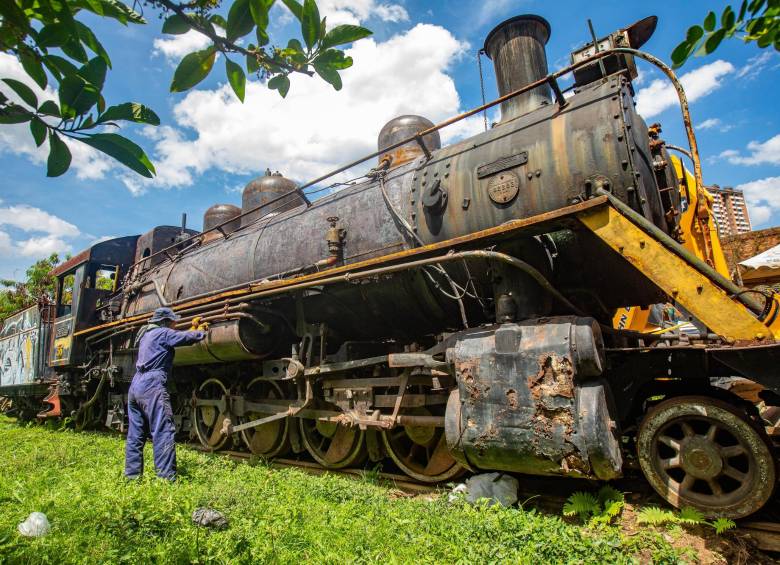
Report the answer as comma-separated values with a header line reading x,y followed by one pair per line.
x,y
496,487
35,525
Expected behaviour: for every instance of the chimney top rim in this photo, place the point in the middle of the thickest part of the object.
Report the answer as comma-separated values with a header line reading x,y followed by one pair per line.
x,y
531,17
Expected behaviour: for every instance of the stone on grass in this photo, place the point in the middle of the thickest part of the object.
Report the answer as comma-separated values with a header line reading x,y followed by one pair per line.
x,y
209,518
497,488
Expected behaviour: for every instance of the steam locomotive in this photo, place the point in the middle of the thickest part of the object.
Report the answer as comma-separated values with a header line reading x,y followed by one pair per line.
x,y
450,311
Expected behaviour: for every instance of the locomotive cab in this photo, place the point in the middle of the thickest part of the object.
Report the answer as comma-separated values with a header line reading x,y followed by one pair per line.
x,y
84,283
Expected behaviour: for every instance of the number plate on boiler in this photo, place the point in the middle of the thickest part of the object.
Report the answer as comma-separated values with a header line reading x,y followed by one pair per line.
x,y
503,187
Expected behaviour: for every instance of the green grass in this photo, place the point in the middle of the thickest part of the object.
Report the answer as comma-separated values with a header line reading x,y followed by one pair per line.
x,y
276,516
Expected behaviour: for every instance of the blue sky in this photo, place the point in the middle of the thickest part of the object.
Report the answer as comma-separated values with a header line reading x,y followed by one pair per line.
x,y
421,59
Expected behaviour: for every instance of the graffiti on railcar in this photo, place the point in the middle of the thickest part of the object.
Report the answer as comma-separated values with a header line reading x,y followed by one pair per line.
x,y
19,347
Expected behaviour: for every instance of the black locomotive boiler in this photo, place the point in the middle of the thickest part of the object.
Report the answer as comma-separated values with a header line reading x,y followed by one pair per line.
x,y
449,311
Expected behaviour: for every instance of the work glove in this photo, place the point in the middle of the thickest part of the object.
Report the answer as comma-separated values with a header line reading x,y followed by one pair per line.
x,y
197,325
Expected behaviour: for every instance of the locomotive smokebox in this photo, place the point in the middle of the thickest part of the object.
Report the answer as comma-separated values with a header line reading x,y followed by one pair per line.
x,y
516,47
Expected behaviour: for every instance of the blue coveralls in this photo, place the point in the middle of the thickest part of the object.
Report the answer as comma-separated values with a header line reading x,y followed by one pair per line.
x,y
148,404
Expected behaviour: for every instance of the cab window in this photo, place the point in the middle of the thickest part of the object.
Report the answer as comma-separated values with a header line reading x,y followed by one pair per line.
x,y
65,301
105,277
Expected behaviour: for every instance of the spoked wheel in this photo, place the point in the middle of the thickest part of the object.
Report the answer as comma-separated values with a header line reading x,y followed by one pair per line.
x,y
209,413
334,446
421,451
271,439
701,452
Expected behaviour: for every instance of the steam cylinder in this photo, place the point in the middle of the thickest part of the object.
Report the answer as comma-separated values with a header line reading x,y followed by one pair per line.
x,y
516,47
263,191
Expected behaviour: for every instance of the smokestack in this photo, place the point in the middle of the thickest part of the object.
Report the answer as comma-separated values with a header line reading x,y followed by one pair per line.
x,y
516,47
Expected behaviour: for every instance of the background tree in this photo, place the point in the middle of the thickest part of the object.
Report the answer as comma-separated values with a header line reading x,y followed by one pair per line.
x,y
54,46
757,21
38,284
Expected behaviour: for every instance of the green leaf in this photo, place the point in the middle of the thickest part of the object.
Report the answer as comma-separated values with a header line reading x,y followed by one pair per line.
x,y
14,115
59,156
723,524
280,83
714,40
74,50
192,69
755,6
77,96
690,515
710,21
295,8
90,40
655,516
251,62
123,150
121,12
236,78
94,72
694,34
33,67
259,10
581,504
310,23
728,18
218,20
59,66
53,35
38,130
333,59
95,6
50,108
742,10
131,112
239,21
23,91
681,54
176,25
767,39
342,34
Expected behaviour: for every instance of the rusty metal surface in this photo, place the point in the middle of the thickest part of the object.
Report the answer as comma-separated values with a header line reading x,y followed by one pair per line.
x,y
520,408
516,47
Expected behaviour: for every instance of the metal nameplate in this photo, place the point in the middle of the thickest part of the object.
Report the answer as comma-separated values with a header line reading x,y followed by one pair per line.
x,y
502,164
61,329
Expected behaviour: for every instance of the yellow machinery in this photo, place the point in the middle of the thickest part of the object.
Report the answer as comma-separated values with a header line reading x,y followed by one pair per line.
x,y
699,236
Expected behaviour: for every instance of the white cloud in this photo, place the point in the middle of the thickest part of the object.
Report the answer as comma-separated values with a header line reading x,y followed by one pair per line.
x,y
29,219
490,10
759,153
660,94
756,65
762,197
315,128
715,123
88,163
356,11
42,246
175,47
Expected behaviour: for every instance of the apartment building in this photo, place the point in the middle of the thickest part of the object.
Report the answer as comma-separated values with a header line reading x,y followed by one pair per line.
x,y
731,214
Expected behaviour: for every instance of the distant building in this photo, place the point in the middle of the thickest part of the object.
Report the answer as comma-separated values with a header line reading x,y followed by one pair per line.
x,y
731,214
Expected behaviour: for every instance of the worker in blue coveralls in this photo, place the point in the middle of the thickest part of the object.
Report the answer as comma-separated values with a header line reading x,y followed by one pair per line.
x,y
149,406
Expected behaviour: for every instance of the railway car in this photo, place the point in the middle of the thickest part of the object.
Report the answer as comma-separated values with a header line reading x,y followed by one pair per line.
x,y
451,309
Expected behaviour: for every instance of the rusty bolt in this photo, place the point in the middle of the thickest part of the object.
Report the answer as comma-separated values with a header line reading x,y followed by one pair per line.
x,y
642,244
675,291
530,176
621,249
538,173
699,289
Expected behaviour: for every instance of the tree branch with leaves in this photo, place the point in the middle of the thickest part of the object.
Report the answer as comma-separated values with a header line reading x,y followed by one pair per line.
x,y
52,44
756,21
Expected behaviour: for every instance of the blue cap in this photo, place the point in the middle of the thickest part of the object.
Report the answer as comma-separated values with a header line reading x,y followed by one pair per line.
x,y
164,313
